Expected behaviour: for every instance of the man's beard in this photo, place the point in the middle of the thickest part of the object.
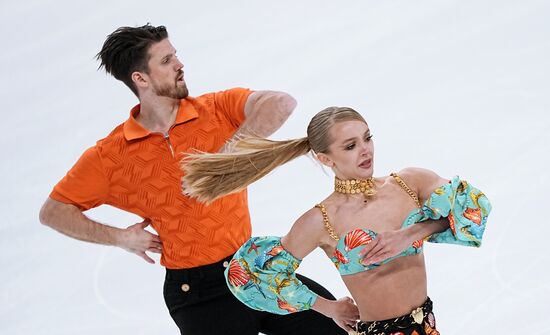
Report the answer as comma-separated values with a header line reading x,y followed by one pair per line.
x,y
172,91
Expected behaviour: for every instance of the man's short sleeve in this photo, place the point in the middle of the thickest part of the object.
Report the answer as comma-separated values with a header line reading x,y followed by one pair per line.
x,y
231,104
85,185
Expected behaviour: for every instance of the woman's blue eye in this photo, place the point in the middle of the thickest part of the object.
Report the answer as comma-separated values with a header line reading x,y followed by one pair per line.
x,y
350,147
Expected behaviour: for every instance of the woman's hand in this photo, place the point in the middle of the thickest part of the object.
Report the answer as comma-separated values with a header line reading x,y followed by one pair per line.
x,y
385,245
343,311
391,243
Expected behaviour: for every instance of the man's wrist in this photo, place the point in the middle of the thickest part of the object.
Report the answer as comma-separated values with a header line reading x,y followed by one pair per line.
x,y
118,237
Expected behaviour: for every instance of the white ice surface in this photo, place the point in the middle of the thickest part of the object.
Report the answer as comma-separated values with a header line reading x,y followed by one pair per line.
x,y
460,87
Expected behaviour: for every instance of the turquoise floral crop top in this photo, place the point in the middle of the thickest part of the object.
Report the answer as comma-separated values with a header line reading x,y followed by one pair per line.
x,y
262,273
347,254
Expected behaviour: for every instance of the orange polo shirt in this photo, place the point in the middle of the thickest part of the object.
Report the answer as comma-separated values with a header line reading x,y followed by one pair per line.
x,y
139,172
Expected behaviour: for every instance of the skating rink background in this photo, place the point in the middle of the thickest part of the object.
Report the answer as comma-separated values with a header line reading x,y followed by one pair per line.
x,y
460,87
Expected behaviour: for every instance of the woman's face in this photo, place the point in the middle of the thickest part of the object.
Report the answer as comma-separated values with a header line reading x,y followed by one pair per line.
x,y
351,154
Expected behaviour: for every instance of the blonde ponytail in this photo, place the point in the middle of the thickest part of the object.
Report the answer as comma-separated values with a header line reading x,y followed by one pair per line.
x,y
208,176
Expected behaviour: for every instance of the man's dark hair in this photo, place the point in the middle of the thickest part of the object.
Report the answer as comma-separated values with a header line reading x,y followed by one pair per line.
x,y
126,50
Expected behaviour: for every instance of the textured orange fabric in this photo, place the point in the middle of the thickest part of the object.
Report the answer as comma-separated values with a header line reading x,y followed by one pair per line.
x,y
135,170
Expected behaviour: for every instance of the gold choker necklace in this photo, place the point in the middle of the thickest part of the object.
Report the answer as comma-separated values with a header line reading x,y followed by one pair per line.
x,y
355,186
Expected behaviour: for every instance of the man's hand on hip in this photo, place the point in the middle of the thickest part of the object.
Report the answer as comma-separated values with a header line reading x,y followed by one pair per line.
x,y
137,240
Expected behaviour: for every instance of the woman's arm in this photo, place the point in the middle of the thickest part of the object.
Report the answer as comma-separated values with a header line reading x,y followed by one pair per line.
x,y
303,238
388,244
262,274
391,243
463,206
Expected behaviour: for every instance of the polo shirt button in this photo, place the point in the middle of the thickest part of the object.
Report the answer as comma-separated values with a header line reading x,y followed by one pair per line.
x,y
185,287
225,264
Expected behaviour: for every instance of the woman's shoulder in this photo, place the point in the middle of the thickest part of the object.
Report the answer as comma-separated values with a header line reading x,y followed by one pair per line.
x,y
416,173
313,217
315,220
306,233
422,181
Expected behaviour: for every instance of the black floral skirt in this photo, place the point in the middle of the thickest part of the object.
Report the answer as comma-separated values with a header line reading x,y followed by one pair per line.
x,y
421,321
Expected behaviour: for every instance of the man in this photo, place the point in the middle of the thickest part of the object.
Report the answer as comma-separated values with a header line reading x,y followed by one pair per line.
x,y
136,168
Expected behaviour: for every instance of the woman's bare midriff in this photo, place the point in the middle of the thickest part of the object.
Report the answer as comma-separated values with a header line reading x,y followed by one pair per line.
x,y
394,289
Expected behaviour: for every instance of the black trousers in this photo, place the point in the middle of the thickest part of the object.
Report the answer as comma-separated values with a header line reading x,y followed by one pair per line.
x,y
200,303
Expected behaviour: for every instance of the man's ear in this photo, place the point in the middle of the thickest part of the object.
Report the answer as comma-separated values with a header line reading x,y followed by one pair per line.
x,y
324,159
139,79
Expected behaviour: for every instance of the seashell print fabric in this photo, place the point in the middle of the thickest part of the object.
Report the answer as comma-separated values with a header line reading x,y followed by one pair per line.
x,y
261,275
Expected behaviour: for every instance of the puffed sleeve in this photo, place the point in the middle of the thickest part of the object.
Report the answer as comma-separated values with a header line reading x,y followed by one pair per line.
x,y
261,275
467,209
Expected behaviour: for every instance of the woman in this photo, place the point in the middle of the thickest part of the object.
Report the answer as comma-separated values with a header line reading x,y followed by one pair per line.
x,y
372,228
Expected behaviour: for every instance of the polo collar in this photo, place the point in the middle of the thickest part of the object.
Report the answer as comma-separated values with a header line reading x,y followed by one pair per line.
x,y
134,130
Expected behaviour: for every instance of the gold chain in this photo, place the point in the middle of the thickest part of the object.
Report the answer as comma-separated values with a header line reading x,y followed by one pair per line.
x,y
327,224
406,188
